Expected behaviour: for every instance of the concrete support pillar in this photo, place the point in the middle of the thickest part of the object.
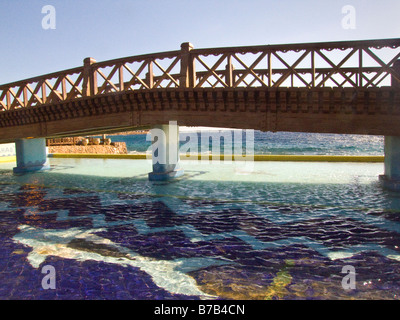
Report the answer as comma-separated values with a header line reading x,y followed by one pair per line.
x,y
165,152
31,155
391,178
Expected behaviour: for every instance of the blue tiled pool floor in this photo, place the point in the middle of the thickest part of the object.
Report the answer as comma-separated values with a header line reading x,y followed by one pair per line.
x,y
114,236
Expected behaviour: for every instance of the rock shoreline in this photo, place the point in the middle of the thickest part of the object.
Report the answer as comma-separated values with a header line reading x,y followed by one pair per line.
x,y
117,148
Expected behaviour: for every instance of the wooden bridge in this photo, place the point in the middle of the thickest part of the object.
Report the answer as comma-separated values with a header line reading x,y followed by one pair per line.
x,y
336,87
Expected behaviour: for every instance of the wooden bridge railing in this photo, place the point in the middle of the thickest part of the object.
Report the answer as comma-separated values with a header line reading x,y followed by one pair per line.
x,y
356,64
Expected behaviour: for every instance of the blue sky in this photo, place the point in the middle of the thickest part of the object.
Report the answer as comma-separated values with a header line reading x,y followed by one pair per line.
x,y
105,29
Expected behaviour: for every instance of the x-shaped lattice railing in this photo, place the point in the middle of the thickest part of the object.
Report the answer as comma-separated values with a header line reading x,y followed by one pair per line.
x,y
359,64
41,90
278,70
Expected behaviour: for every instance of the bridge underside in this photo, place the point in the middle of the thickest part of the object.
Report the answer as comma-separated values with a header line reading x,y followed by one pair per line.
x,y
373,111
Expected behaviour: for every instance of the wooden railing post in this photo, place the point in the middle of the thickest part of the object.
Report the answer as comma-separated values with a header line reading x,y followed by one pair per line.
x,y
89,85
396,68
187,78
8,99
313,77
229,78
150,76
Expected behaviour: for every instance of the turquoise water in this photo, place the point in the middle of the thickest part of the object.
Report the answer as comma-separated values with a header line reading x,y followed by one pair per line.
x,y
284,143
272,230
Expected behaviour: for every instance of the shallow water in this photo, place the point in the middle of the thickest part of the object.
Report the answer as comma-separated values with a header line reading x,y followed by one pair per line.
x,y
277,230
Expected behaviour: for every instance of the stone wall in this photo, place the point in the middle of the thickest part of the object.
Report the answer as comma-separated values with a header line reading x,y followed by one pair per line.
x,y
119,148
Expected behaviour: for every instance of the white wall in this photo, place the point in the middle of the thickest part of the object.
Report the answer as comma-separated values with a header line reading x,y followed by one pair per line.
x,y
7,149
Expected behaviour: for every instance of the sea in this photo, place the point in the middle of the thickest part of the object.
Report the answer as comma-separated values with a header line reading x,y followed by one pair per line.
x,y
280,143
